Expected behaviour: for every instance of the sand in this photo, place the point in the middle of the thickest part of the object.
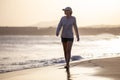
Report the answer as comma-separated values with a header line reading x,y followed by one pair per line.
x,y
94,69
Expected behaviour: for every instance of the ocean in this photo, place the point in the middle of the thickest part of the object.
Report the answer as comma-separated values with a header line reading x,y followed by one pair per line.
x,y
18,52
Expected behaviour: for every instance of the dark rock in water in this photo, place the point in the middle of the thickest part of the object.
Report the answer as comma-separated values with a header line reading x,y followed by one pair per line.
x,y
77,57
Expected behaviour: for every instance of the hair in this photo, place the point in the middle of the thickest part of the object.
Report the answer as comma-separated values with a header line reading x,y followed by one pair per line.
x,y
71,13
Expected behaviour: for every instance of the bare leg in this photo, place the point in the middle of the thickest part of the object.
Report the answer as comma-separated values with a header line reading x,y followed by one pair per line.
x,y
68,52
65,50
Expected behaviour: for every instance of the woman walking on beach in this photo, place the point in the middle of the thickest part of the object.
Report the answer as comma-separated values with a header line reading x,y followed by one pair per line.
x,y
67,22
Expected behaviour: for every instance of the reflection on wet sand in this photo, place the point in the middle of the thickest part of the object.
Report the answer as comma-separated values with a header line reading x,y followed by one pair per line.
x,y
68,74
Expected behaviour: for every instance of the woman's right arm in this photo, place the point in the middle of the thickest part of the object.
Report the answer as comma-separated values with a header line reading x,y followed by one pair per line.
x,y
59,27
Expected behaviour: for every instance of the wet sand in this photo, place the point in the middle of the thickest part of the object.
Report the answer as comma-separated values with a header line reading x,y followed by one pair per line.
x,y
94,69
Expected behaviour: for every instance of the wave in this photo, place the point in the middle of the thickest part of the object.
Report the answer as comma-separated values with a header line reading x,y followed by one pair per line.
x,y
34,64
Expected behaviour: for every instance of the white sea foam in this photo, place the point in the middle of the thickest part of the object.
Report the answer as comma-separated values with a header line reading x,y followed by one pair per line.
x,y
33,64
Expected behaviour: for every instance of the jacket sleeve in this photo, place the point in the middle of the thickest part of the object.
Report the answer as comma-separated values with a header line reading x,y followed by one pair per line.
x,y
59,27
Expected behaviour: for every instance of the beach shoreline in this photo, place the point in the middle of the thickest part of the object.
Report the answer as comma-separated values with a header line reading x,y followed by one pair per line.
x,y
93,69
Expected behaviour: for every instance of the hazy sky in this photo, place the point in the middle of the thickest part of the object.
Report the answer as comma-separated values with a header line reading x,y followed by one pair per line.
x,y
87,12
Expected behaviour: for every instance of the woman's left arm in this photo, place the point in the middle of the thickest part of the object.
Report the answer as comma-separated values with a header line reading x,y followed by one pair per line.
x,y
76,29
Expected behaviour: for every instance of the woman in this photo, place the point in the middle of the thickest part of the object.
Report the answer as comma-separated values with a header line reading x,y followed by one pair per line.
x,y
67,22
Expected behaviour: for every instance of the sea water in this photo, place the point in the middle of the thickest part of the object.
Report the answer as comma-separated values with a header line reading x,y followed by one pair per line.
x,y
19,52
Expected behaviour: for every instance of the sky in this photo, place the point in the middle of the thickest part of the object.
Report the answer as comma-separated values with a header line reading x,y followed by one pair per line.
x,y
87,12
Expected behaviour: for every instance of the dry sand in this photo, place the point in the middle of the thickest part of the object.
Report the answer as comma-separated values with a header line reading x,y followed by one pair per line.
x,y
95,69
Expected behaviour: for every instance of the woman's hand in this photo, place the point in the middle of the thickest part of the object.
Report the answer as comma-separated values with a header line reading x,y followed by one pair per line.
x,y
78,39
57,34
